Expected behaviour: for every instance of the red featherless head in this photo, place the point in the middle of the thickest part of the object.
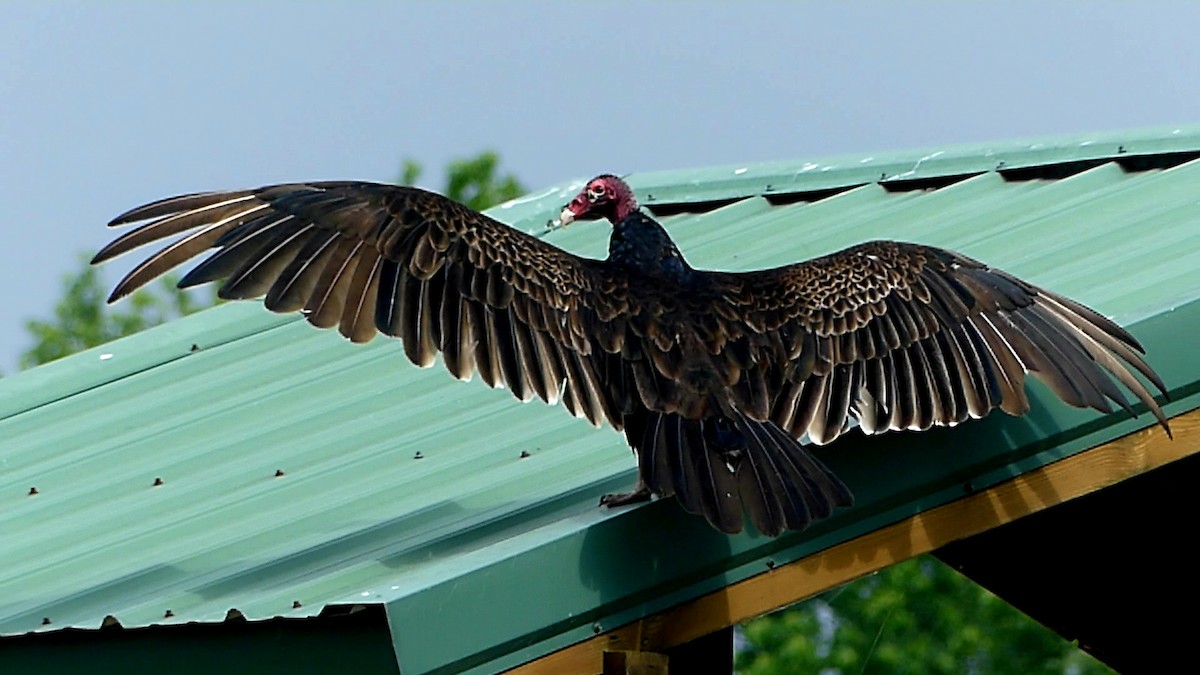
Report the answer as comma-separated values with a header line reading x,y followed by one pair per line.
x,y
604,196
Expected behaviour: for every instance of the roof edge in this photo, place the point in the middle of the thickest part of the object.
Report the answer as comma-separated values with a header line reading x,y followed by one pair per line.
x,y
822,173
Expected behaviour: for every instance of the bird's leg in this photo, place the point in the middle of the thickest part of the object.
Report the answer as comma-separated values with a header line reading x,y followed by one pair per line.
x,y
639,493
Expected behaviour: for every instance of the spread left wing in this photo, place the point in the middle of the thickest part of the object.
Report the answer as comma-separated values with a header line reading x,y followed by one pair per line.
x,y
903,336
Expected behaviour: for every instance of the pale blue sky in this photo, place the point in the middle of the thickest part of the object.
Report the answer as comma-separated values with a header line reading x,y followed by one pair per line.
x,y
104,106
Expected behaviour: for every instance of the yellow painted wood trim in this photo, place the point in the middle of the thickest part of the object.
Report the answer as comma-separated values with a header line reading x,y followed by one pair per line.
x,y
1028,493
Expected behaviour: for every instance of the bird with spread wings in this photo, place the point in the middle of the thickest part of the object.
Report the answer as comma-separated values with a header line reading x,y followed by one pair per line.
x,y
714,377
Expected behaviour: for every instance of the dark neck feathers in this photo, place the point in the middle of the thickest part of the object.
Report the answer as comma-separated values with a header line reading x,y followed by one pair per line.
x,y
639,243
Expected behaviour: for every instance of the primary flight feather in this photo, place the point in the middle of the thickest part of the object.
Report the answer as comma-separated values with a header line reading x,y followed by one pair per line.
x,y
712,376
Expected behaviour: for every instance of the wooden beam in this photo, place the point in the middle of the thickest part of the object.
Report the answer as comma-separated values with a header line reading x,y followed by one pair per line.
x,y
1072,477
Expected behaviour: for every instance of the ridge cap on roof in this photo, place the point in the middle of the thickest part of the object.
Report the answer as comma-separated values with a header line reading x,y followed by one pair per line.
x,y
733,181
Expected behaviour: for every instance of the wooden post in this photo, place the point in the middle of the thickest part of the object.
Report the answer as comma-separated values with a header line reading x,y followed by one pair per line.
x,y
712,653
635,663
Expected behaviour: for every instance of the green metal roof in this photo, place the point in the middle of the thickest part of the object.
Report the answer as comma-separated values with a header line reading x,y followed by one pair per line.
x,y
471,517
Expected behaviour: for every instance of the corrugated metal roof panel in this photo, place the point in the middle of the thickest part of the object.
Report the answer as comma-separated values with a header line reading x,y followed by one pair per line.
x,y
401,486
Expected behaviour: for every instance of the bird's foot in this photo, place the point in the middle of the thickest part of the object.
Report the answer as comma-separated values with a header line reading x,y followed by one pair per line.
x,y
640,493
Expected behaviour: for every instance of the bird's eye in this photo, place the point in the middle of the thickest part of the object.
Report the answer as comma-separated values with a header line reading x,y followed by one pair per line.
x,y
595,193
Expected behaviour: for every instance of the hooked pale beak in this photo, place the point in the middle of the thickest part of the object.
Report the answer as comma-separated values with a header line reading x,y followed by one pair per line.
x,y
566,217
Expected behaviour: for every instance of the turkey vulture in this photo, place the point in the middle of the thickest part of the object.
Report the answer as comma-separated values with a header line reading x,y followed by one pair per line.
x,y
712,376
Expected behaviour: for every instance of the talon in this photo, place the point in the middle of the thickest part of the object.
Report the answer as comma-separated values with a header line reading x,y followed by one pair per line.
x,y
640,493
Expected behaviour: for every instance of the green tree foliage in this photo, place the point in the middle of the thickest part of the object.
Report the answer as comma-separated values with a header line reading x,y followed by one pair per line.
x,y
474,181
81,319
919,617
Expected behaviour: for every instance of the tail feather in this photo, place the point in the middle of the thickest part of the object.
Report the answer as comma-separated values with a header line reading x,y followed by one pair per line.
x,y
769,499
722,468
821,481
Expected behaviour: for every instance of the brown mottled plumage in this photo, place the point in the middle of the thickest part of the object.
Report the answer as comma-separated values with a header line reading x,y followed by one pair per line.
x,y
712,375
